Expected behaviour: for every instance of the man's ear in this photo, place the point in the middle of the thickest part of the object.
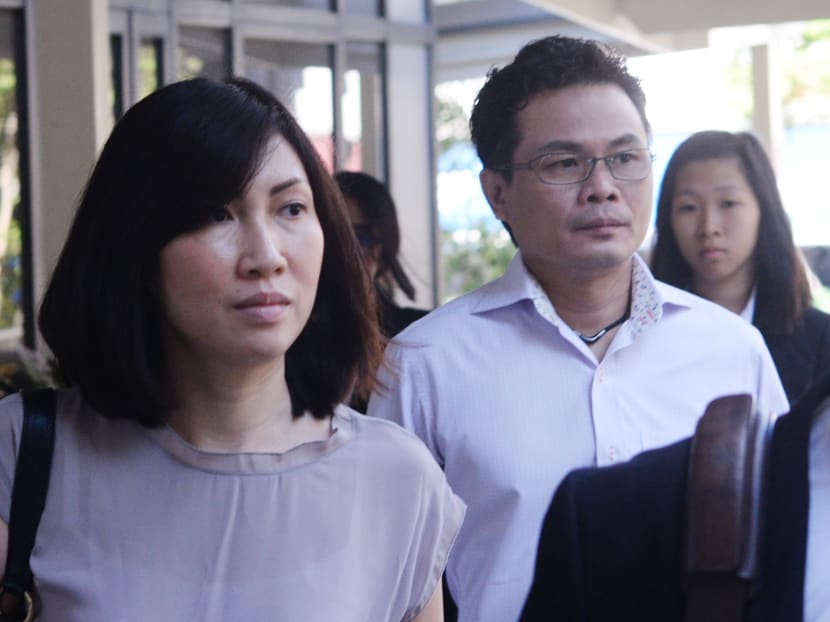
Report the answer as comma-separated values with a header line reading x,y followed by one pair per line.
x,y
493,185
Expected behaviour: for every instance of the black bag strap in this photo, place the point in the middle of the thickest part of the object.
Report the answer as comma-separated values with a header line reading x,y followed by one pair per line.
x,y
722,530
31,481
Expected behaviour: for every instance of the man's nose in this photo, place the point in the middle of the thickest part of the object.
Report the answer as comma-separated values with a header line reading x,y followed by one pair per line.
x,y
600,185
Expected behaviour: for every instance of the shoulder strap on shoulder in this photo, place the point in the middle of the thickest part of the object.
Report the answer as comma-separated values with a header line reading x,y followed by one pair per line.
x,y
723,509
31,481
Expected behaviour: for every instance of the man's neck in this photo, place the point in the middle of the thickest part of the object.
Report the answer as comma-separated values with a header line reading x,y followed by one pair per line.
x,y
591,300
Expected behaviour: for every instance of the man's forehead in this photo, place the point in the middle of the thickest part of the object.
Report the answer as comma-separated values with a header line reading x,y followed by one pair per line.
x,y
626,140
581,118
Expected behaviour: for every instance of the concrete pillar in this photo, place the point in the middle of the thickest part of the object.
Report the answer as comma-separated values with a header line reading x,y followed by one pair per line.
x,y
70,114
768,116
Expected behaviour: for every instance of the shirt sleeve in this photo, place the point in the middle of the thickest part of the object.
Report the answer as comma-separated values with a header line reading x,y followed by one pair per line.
x,y
11,423
772,399
403,394
439,517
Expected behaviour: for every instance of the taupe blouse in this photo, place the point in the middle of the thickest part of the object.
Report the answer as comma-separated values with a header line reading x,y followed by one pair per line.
x,y
139,525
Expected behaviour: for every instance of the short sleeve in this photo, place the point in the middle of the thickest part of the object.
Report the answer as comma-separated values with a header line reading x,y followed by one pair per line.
x,y
11,422
439,518
402,394
772,399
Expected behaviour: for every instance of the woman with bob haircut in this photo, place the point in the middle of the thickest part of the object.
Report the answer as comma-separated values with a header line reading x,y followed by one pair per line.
x,y
209,312
722,233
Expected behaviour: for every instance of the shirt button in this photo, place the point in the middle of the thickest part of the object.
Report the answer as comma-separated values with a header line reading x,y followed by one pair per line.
x,y
612,453
601,375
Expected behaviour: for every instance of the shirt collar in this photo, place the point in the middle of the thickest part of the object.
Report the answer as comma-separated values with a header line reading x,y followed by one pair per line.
x,y
518,284
748,312
514,285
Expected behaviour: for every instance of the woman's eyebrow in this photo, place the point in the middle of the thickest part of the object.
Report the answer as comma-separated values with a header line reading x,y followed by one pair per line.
x,y
277,188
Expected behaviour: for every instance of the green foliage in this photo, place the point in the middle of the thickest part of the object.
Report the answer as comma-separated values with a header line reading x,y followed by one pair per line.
x,y
190,66
472,257
804,55
814,32
739,77
807,69
451,124
11,273
22,369
11,277
148,69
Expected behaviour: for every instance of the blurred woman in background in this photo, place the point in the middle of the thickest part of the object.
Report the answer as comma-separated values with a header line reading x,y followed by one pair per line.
x,y
375,223
374,219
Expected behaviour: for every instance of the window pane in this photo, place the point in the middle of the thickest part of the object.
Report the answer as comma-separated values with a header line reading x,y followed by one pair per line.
x,y
327,5
204,52
117,91
363,109
301,76
12,234
150,69
363,7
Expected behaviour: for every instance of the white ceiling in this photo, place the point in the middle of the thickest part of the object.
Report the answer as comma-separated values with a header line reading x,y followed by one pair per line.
x,y
474,35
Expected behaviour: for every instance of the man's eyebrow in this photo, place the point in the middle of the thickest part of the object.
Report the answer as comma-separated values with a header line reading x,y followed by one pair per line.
x,y
626,140
561,145
571,146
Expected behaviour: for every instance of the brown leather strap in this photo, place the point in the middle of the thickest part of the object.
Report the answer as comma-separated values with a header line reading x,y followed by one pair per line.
x,y
723,509
713,599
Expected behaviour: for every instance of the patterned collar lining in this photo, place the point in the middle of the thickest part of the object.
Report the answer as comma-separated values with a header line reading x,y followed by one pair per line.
x,y
646,304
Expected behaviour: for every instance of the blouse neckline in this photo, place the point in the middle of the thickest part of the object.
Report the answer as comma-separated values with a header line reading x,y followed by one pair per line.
x,y
256,463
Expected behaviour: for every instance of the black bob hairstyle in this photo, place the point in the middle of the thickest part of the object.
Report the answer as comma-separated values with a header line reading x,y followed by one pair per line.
x,y
782,288
550,63
378,208
170,161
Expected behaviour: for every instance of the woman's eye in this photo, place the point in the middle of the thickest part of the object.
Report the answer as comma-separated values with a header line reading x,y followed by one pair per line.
x,y
729,203
685,208
293,209
219,214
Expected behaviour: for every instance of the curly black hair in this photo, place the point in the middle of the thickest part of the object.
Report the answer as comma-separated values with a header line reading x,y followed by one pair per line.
x,y
550,63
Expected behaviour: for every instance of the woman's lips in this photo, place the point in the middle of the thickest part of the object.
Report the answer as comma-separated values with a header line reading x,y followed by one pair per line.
x,y
264,307
712,252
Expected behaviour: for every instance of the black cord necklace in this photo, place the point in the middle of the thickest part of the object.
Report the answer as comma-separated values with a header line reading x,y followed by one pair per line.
x,y
589,339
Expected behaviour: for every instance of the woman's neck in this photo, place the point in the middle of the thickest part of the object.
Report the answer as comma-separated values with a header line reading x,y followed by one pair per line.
x,y
732,294
239,412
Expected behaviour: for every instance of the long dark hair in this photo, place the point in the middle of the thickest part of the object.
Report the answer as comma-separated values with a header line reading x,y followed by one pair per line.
x,y
168,163
782,289
378,208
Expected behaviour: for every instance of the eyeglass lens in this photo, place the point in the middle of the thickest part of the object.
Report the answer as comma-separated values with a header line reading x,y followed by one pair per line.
x,y
564,168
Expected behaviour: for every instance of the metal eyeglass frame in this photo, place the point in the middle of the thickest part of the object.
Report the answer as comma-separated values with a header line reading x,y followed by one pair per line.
x,y
592,163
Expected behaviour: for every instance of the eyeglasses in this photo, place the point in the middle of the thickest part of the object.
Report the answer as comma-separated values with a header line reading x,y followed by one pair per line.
x,y
569,168
365,236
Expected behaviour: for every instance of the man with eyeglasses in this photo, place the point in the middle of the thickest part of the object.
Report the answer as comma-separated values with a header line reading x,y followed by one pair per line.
x,y
576,356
